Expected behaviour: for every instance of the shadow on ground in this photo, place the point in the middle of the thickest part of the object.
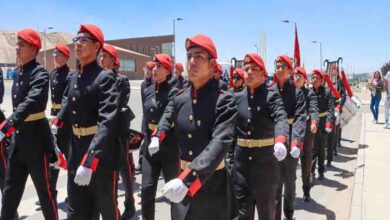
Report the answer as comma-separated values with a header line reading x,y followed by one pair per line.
x,y
314,207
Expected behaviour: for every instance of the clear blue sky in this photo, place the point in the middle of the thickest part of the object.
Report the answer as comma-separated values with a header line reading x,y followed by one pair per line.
x,y
359,31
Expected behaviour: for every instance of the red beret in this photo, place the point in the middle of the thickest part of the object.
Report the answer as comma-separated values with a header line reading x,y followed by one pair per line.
x,y
219,68
64,49
149,64
239,72
117,63
30,36
285,59
301,70
318,72
110,50
93,30
165,60
179,66
204,42
256,59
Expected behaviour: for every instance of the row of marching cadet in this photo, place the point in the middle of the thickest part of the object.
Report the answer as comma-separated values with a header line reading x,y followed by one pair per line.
x,y
223,150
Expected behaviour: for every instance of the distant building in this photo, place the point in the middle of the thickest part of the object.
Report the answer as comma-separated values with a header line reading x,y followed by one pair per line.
x,y
132,52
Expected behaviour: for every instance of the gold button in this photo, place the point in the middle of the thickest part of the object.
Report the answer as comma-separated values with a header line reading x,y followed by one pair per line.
x,y
194,173
250,158
73,98
190,117
76,125
189,136
74,112
17,131
194,101
249,132
190,153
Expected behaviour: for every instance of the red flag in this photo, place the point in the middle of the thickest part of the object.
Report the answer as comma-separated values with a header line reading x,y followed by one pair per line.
x,y
297,54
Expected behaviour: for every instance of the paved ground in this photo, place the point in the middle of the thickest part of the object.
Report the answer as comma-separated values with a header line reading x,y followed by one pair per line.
x,y
331,197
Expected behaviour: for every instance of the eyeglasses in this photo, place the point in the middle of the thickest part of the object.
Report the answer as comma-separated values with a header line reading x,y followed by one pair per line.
x,y
280,67
236,78
147,69
297,76
21,44
81,39
254,68
316,77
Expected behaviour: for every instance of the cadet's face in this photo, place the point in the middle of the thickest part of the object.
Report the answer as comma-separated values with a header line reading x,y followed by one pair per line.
x,y
282,71
159,73
217,75
148,72
200,67
299,80
106,61
237,81
59,58
317,80
178,72
254,75
24,51
86,48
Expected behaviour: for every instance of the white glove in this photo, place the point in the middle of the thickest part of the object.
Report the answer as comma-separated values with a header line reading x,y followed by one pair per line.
x,y
337,116
2,135
175,190
154,146
328,130
51,117
295,152
83,176
280,151
54,129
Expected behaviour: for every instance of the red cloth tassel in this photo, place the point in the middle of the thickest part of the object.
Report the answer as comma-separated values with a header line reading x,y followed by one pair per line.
x,y
63,164
346,85
331,87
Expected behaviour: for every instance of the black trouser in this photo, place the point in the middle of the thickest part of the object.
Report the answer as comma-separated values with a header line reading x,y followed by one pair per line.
x,y
306,158
63,142
255,182
287,177
332,143
151,168
126,173
3,164
211,202
319,152
100,196
21,165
